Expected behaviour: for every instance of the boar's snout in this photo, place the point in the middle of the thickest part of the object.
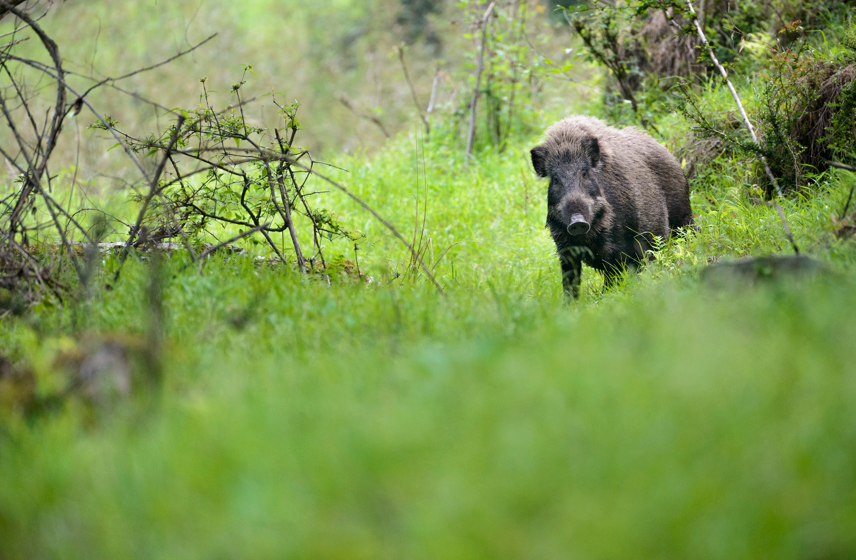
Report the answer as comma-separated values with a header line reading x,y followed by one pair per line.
x,y
578,225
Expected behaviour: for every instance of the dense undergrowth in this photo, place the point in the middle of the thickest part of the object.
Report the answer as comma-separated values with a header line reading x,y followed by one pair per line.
x,y
297,418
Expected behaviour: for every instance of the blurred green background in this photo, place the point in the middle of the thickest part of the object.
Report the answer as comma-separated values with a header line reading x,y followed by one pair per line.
x,y
314,53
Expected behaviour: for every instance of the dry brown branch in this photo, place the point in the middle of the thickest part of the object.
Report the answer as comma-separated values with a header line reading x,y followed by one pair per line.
x,y
13,43
8,5
346,101
472,130
841,166
413,92
285,211
300,195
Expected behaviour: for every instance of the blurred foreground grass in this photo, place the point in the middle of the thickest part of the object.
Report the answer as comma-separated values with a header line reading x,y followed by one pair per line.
x,y
360,422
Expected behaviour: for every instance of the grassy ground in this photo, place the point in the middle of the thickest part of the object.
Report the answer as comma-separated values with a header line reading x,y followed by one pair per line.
x,y
663,419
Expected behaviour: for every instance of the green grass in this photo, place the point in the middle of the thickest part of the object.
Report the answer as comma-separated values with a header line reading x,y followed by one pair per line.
x,y
663,419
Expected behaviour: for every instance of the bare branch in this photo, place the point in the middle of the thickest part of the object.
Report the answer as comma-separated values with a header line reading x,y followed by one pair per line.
x,y
413,92
146,69
47,9
152,191
433,91
379,218
472,130
232,239
7,6
841,165
13,43
346,101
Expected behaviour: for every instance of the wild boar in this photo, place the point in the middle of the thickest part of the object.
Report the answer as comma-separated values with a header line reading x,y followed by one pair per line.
x,y
611,192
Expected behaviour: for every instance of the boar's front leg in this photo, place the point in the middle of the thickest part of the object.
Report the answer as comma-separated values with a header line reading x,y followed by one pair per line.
x,y
571,272
613,273
611,277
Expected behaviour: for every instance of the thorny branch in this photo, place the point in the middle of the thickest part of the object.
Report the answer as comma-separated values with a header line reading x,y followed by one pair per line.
x,y
472,130
153,189
422,115
250,186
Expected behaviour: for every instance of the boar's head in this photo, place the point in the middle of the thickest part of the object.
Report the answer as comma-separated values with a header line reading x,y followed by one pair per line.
x,y
574,199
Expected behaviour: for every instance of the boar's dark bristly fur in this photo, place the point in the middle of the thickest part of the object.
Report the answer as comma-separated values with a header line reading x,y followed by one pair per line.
x,y
611,192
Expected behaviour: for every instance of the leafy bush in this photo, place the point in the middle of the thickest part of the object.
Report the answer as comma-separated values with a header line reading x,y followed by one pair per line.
x,y
804,113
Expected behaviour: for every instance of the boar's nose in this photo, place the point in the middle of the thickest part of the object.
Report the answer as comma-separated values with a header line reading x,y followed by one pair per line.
x,y
578,225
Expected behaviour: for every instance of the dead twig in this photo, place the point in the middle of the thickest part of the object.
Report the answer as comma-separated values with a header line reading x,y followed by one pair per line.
x,y
413,93
346,101
13,43
472,130
47,9
112,81
430,108
8,5
37,167
153,189
841,166
379,218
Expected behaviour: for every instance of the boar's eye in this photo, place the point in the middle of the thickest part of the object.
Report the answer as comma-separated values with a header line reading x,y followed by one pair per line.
x,y
585,172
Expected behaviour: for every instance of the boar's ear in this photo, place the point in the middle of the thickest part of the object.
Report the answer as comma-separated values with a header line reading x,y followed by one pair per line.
x,y
591,148
539,160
